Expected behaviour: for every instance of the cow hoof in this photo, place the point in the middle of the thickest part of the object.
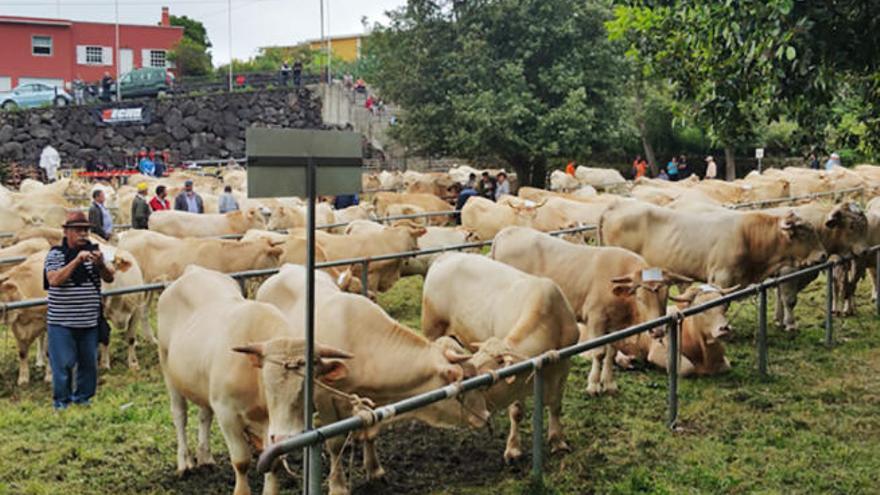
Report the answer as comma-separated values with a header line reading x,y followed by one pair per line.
x,y
559,446
206,461
511,455
23,381
594,389
134,366
610,388
791,328
376,474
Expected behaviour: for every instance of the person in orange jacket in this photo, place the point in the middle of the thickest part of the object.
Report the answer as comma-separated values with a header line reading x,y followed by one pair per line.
x,y
569,169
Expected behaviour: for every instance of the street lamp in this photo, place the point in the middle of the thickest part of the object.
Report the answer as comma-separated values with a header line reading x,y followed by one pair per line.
x,y
118,89
299,162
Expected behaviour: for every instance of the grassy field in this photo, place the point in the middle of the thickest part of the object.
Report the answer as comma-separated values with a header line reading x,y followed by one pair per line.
x,y
813,427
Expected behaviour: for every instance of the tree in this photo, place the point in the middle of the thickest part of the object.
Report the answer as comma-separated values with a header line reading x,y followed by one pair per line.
x,y
524,81
191,55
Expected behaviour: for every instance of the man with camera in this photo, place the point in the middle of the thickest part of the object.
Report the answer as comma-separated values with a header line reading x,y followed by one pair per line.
x,y
73,273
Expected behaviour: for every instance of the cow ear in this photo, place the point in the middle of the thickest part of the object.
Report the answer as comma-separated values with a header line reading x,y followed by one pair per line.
x,y
833,220
254,352
621,290
452,374
121,264
332,370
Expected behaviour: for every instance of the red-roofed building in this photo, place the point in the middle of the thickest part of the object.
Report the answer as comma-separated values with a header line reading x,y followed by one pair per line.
x,y
57,51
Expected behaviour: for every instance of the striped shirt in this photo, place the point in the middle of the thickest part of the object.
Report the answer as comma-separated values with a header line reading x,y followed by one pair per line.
x,y
70,305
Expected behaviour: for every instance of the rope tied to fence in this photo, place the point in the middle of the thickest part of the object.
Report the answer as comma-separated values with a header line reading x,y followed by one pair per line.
x,y
549,358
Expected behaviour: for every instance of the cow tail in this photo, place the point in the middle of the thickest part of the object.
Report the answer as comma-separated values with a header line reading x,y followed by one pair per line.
x,y
599,228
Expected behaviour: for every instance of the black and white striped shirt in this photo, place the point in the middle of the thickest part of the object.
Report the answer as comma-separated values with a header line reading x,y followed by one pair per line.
x,y
70,305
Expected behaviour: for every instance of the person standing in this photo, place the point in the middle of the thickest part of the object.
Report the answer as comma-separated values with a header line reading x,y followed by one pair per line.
x,y
640,167
285,73
106,82
159,201
672,169
487,186
814,162
99,216
502,185
297,73
570,168
711,168
79,90
833,161
140,209
227,201
72,277
462,198
683,170
188,200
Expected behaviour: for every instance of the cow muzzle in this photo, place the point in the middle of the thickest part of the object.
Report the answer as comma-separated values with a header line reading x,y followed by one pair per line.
x,y
722,332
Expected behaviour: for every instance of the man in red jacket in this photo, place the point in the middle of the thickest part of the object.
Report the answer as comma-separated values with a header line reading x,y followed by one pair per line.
x,y
159,202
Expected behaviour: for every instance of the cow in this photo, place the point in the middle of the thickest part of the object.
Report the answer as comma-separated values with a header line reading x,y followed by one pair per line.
x,y
486,218
287,217
25,281
702,350
427,202
600,178
722,248
163,258
382,275
611,289
24,248
561,181
238,360
842,230
128,311
362,211
436,237
409,365
185,224
872,213
436,183
505,314
362,226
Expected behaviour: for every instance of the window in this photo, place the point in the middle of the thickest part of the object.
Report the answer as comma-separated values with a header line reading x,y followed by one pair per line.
x,y
157,58
41,46
94,55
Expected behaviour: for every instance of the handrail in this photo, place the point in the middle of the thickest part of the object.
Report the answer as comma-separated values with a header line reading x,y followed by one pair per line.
x,y
344,426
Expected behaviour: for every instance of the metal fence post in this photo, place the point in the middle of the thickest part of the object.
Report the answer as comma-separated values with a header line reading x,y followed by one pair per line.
x,y
876,277
241,284
365,269
672,368
829,301
762,330
538,429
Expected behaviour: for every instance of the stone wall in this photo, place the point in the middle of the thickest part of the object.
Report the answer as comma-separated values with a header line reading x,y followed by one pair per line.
x,y
192,127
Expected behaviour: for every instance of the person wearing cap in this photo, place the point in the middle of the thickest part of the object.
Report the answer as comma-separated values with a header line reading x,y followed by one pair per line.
x,y
188,200
140,210
833,161
711,168
72,276
99,216
160,200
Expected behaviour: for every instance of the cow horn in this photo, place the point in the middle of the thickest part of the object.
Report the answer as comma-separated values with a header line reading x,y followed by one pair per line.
x,y
683,298
276,243
730,289
254,349
626,279
325,351
454,357
675,278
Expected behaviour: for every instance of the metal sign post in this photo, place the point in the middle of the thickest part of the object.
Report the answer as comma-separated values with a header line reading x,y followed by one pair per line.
x,y
297,162
759,154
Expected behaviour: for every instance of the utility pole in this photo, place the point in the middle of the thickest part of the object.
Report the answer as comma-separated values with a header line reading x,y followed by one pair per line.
x,y
329,45
230,45
320,74
118,89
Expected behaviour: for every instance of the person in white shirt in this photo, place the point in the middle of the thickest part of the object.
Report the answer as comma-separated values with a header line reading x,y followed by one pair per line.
x,y
711,168
503,186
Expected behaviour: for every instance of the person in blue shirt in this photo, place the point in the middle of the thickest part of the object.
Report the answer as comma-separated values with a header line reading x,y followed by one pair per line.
x,y
672,169
833,161
463,195
345,200
147,166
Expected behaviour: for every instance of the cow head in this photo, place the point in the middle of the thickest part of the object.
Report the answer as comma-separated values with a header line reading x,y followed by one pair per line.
x,y
711,324
492,354
802,246
254,219
847,229
282,367
647,291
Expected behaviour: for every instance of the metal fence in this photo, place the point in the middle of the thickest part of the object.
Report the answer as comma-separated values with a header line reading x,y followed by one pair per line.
x,y
315,437
791,199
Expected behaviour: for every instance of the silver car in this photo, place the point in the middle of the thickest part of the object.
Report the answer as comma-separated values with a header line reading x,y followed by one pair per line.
x,y
34,95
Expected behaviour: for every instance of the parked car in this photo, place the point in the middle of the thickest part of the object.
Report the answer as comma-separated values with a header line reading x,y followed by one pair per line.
x,y
34,95
147,81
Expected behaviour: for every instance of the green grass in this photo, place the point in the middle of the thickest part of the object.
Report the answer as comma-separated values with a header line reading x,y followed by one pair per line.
x,y
812,427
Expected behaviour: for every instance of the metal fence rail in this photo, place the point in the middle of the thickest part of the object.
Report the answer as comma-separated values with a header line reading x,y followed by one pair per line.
x,y
243,275
535,364
791,199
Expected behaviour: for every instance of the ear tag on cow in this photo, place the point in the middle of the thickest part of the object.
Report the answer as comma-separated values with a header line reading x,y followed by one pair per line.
x,y
708,288
109,253
529,203
340,278
652,275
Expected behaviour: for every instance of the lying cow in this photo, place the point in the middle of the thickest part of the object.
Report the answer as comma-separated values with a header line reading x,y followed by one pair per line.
x,y
185,224
842,230
256,392
702,350
506,314
611,289
722,248
409,365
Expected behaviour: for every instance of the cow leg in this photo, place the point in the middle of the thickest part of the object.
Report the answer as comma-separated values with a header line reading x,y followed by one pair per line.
x,y
178,414
625,361
872,272
104,356
592,329
203,452
553,398
336,480
239,450
780,312
658,355
789,291
24,370
513,451
131,335
372,465
593,387
42,350
607,379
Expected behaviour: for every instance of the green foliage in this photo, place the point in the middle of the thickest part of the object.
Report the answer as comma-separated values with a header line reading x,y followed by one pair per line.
x,y
270,58
192,29
190,58
520,81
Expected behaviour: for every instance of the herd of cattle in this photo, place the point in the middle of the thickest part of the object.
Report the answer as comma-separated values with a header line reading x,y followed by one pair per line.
x,y
241,360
